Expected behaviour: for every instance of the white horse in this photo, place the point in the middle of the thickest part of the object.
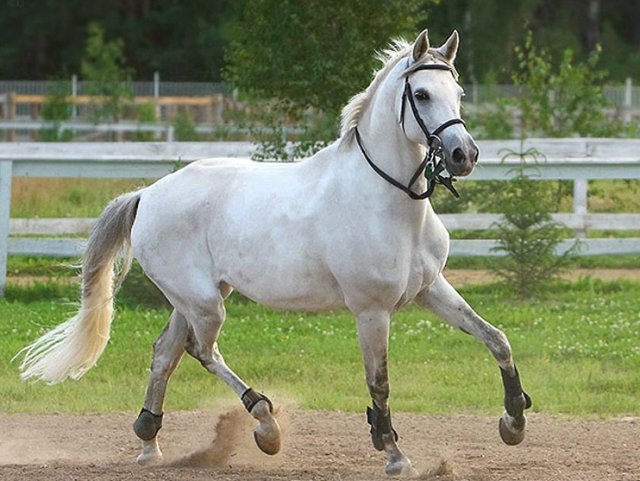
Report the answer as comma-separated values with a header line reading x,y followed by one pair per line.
x,y
350,227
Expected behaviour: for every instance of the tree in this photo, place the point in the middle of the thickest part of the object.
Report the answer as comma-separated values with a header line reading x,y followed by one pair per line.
x,y
56,109
564,99
103,65
313,54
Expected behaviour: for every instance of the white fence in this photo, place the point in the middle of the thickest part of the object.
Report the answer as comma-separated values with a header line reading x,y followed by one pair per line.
x,y
159,129
571,159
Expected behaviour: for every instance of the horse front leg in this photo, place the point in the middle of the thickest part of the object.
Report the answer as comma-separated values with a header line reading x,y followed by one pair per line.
x,y
373,333
444,300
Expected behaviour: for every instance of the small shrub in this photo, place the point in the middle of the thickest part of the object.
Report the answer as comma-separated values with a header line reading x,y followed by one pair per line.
x,y
528,235
56,109
185,129
146,113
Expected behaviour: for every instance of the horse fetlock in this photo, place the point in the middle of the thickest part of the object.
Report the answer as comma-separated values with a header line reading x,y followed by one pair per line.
x,y
515,405
381,428
147,425
515,399
251,399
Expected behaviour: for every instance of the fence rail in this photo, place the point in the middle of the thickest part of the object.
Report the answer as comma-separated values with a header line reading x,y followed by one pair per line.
x,y
567,159
161,129
619,95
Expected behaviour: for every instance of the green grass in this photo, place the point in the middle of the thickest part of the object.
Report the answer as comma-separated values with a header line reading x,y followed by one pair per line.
x,y
43,197
578,351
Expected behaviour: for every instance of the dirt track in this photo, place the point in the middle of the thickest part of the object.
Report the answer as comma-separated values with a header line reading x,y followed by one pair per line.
x,y
318,446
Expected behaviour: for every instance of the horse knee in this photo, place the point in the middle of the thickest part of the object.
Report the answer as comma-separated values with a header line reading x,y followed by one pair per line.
x,y
498,344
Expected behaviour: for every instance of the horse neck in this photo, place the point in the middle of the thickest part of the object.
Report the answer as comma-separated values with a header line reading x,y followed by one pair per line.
x,y
386,143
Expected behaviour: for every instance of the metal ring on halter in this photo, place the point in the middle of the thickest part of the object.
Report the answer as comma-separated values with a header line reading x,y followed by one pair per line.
x,y
434,142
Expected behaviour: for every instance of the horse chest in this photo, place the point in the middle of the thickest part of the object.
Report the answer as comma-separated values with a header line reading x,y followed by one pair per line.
x,y
427,260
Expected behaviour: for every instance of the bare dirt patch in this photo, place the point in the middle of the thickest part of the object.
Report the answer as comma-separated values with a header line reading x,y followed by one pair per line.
x,y
461,277
317,446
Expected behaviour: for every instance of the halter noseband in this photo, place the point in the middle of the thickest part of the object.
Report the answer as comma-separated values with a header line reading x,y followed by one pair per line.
x,y
432,165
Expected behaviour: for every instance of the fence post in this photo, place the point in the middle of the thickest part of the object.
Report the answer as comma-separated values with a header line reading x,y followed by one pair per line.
x,y
156,95
74,94
6,172
626,108
580,188
11,110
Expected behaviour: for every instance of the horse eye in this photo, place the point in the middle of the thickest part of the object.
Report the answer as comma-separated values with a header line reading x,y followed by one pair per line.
x,y
422,95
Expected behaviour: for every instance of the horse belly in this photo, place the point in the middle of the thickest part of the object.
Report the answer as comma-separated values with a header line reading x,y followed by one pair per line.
x,y
307,287
275,260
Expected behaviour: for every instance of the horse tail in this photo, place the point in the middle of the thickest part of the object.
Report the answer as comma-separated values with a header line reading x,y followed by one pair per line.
x,y
73,347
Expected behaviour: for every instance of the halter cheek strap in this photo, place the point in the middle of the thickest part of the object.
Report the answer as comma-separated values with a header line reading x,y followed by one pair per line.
x,y
432,165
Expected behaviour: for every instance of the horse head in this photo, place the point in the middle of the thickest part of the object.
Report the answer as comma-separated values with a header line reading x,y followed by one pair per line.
x,y
430,104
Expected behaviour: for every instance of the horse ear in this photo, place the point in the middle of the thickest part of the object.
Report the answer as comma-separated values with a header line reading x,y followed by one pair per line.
x,y
449,49
421,45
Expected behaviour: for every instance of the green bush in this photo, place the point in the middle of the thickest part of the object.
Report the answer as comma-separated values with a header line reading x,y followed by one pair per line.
x,y
146,113
527,234
56,109
185,129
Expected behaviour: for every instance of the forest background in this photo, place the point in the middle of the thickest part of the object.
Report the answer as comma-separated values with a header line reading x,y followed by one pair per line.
x,y
194,40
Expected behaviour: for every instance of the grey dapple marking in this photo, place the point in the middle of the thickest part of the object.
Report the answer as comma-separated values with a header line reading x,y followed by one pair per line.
x,y
324,233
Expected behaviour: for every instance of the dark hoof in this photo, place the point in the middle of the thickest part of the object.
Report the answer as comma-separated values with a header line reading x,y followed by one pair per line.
x,y
509,437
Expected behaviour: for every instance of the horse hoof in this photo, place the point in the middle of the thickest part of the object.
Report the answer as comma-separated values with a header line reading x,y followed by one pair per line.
x,y
512,438
148,460
267,433
401,467
268,444
150,454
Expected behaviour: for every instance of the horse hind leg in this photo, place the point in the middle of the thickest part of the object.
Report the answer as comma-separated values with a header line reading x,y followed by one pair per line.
x,y
203,346
167,352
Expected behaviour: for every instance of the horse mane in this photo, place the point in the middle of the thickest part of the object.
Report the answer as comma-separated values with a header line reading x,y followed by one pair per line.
x,y
389,57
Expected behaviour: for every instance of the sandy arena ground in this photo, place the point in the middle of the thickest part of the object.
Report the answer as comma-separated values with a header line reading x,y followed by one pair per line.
x,y
322,446
318,446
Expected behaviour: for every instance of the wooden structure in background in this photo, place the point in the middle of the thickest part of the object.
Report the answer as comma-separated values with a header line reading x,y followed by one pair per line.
x,y
202,109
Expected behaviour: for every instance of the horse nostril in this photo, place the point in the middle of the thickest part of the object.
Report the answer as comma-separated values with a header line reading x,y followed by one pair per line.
x,y
475,152
458,155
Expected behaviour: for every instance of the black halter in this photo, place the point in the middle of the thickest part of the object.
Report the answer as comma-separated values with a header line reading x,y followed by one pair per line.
x,y
432,165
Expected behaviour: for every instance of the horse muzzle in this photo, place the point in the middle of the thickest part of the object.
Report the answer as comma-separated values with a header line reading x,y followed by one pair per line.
x,y
461,160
